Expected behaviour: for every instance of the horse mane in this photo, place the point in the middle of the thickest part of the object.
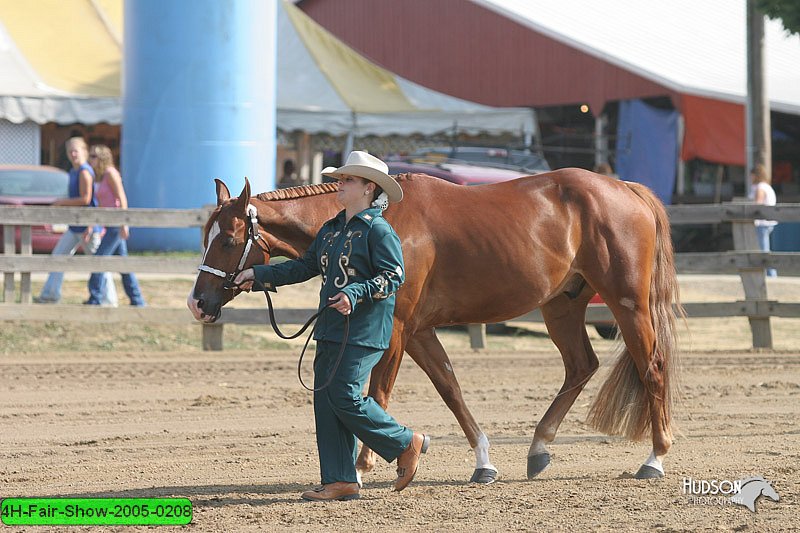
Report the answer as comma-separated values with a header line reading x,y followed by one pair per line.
x,y
302,191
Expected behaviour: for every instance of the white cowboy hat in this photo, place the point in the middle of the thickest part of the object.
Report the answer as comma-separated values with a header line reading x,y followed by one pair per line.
x,y
369,167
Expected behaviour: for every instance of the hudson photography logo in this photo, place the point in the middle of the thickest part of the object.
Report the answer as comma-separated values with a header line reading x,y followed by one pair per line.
x,y
745,492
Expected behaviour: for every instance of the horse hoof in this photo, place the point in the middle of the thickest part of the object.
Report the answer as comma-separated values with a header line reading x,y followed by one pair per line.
x,y
537,464
648,472
483,476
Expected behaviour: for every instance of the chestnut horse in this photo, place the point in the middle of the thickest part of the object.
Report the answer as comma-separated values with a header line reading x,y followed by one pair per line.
x,y
488,254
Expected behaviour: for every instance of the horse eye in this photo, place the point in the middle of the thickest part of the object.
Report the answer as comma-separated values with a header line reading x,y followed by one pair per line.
x,y
230,242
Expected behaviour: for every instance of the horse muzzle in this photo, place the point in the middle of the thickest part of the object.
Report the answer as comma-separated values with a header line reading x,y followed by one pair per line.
x,y
203,310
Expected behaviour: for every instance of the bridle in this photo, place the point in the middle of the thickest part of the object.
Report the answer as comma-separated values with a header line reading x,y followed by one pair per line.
x,y
254,236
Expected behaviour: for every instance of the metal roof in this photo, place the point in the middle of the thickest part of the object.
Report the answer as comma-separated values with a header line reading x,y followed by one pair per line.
x,y
689,46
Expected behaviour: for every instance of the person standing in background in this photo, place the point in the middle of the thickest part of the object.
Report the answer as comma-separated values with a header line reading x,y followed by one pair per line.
x,y
289,177
762,193
605,169
111,193
81,193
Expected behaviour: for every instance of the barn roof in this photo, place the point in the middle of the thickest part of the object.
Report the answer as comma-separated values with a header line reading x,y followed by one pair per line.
x,y
688,46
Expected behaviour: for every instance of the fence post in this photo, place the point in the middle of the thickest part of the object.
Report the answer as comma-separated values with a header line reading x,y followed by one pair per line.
x,y
754,281
26,248
477,336
212,337
9,248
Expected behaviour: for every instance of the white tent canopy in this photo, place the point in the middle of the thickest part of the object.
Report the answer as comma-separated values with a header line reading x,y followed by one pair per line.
x,y
323,85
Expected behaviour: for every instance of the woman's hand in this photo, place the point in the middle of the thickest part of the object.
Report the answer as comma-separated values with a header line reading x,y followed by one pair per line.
x,y
124,233
245,279
341,303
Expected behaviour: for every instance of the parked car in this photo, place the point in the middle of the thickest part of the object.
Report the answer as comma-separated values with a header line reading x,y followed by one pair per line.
x,y
519,160
34,185
458,173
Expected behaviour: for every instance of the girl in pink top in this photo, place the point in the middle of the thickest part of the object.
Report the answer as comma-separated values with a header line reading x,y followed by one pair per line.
x,y
110,193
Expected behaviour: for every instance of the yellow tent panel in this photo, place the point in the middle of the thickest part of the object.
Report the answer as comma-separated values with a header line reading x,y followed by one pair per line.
x,y
364,86
70,44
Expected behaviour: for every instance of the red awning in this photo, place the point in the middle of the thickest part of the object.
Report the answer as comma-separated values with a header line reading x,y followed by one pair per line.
x,y
714,130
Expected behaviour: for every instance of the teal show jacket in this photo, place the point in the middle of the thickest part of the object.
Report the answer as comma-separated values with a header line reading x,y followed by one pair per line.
x,y
362,259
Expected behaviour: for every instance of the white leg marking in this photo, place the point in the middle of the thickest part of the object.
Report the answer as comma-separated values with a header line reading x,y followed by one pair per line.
x,y
482,453
654,462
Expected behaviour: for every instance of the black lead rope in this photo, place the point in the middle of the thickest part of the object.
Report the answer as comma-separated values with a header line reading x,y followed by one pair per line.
x,y
274,323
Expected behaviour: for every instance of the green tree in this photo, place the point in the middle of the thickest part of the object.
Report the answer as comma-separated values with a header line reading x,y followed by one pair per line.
x,y
787,11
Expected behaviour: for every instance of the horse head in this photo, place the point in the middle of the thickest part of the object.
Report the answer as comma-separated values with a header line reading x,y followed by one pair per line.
x,y
233,241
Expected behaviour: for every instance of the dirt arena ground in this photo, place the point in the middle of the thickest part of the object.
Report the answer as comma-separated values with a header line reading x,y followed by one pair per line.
x,y
143,412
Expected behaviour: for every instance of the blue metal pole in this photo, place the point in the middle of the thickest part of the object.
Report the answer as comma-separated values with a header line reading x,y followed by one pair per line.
x,y
198,104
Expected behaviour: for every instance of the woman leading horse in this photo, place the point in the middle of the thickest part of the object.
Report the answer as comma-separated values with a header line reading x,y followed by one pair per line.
x,y
359,257
492,253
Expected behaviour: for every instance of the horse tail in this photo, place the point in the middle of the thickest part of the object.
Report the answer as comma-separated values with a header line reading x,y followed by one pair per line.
x,y
621,407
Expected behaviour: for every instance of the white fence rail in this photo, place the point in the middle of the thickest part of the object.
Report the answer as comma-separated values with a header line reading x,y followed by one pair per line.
x,y
746,260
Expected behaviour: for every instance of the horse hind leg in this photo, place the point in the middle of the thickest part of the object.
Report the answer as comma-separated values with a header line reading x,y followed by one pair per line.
x,y
635,397
426,350
564,317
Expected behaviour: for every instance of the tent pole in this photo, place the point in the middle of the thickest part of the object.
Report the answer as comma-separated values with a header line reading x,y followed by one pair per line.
x,y
600,139
351,137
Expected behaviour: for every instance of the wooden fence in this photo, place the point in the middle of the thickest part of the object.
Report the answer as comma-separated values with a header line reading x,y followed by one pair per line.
x,y
746,260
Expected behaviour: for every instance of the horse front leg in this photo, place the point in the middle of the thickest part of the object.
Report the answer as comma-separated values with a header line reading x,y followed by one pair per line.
x,y
381,382
426,350
564,319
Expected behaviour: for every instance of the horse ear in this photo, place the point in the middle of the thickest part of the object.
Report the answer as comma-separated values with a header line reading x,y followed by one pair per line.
x,y
244,197
222,191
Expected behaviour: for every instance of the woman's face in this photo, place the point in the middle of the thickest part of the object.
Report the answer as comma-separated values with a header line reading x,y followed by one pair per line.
x,y
77,154
352,190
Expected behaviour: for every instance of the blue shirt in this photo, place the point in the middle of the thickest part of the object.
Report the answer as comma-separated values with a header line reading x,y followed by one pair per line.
x,y
362,259
74,190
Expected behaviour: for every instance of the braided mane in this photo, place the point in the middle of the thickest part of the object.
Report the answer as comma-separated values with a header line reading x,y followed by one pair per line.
x,y
300,191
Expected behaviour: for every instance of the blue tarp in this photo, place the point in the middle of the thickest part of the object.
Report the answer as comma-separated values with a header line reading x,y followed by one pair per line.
x,y
647,147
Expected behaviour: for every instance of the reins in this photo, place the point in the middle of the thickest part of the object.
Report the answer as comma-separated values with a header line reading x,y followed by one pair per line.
x,y
274,324
254,236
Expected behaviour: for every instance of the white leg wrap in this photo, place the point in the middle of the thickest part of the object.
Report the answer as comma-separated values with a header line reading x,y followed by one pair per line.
x,y
654,462
482,453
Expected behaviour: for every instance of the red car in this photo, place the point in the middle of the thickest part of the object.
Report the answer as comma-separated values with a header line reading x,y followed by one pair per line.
x,y
459,173
34,185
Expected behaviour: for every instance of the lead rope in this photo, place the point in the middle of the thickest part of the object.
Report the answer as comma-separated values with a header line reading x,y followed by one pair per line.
x,y
313,318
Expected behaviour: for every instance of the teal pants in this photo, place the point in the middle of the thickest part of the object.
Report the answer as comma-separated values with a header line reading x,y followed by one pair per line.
x,y
343,414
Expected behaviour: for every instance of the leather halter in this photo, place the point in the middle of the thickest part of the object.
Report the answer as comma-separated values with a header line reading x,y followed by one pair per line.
x,y
253,235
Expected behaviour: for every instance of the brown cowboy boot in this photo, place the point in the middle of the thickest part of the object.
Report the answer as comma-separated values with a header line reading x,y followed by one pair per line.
x,y
341,490
408,461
